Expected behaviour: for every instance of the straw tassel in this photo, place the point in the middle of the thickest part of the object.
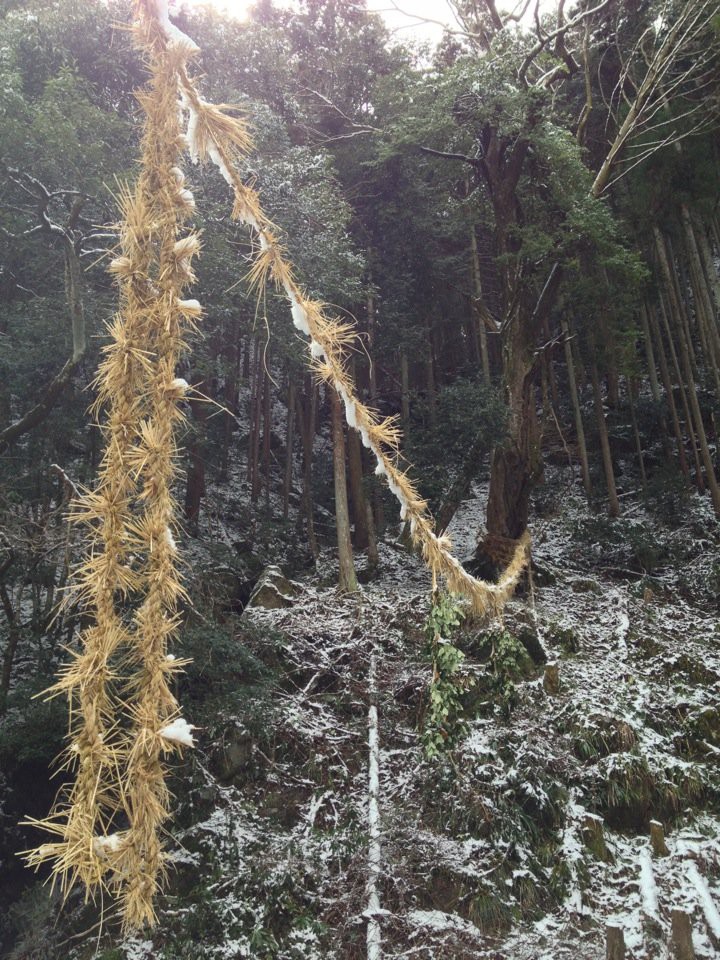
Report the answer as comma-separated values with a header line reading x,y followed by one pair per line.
x,y
171,319
123,670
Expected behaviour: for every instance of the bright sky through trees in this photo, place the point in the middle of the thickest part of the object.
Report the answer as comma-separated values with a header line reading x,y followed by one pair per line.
x,y
408,19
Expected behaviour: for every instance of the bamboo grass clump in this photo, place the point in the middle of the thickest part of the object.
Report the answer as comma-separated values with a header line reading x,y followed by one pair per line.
x,y
215,136
124,717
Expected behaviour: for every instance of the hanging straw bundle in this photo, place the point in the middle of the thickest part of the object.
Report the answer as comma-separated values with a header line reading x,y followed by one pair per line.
x,y
123,714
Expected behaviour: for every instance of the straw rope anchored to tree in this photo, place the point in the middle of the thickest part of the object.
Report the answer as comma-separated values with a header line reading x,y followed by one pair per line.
x,y
214,135
124,719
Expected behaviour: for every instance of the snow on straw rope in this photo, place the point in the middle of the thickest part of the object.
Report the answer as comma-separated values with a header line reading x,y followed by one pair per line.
x,y
214,135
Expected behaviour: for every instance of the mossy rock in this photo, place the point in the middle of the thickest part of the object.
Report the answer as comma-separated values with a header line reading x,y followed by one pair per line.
x,y
274,590
559,635
691,669
530,639
585,585
236,756
543,574
704,726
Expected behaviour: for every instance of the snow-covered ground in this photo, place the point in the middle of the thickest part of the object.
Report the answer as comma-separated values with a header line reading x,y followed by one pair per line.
x,y
493,851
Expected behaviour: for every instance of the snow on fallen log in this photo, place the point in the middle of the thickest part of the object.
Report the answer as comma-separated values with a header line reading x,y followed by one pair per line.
x,y
648,888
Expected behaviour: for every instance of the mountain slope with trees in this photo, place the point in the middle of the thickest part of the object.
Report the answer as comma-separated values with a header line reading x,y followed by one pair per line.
x,y
523,224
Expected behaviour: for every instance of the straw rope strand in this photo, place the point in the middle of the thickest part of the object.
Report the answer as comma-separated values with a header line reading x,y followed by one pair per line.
x,y
214,135
122,710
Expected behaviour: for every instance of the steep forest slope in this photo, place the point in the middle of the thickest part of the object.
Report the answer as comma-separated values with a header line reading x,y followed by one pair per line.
x,y
522,226
488,850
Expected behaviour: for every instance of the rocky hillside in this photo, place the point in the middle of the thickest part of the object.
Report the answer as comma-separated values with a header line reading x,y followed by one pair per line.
x,y
525,837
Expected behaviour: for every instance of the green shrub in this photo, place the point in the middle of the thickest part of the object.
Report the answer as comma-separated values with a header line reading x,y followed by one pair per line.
x,y
443,724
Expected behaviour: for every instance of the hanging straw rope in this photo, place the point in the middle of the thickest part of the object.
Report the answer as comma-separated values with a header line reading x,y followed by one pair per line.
x,y
224,140
123,714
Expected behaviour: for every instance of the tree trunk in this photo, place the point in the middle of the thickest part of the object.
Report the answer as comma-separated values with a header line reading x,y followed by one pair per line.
x,y
577,412
655,390
254,413
230,399
699,479
267,438
195,445
377,493
289,442
73,295
651,318
614,943
711,273
54,390
515,466
516,463
650,355
371,337
430,376
13,638
480,320
636,434
247,357
347,579
547,356
681,937
404,393
256,482
703,300
306,417
687,369
613,502
372,550
357,490
679,306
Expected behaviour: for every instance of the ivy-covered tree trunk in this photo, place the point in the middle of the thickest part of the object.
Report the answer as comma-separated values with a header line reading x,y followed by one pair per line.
x,y
516,463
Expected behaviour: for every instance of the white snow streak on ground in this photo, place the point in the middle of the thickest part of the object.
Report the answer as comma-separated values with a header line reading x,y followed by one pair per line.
x,y
648,889
706,901
374,852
